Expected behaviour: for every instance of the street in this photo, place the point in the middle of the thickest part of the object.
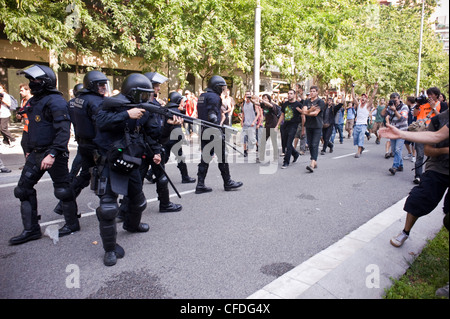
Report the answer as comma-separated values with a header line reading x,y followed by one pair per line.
x,y
222,245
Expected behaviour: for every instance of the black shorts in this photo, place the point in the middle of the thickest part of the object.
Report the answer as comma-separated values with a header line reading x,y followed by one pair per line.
x,y
424,198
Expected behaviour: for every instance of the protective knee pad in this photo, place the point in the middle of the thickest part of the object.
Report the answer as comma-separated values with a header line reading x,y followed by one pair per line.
x,y
108,209
138,203
64,193
23,193
161,183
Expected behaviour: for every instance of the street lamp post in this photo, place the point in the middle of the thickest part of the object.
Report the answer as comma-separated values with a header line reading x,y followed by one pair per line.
x,y
420,50
256,62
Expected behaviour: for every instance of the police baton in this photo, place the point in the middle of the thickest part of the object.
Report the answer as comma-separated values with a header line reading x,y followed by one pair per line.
x,y
163,170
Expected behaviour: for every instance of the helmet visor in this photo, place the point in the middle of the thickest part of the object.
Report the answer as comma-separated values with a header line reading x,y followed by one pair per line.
x,y
158,78
32,71
103,88
143,95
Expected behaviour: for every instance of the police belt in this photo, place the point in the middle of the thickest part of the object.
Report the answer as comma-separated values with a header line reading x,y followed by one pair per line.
x,y
81,140
40,149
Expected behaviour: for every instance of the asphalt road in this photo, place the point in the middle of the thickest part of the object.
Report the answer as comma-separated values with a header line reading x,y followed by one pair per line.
x,y
222,245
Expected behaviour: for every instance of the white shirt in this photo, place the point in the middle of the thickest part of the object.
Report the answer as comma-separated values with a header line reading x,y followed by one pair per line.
x,y
362,115
5,111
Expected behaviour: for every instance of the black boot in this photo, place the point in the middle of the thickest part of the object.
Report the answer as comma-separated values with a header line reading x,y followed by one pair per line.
x,y
201,188
30,219
228,183
110,258
132,224
165,205
132,217
70,215
108,234
185,178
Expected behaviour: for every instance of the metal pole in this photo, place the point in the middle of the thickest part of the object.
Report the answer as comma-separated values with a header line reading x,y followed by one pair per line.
x,y
420,50
256,65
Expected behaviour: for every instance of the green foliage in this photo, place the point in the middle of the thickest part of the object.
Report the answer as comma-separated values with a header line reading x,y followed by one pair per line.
x,y
355,40
426,274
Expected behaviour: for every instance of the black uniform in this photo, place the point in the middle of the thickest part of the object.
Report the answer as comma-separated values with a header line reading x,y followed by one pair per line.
x,y
83,109
116,132
169,131
49,133
162,183
209,109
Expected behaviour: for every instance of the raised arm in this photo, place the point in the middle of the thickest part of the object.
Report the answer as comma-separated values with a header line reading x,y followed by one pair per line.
x,y
355,99
372,97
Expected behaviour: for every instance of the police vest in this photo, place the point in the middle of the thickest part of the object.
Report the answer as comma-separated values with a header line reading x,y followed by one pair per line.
x,y
42,113
209,102
82,111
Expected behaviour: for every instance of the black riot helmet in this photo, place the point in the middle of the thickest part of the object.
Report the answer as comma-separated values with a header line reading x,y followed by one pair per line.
x,y
137,88
77,89
175,99
97,82
42,78
155,77
217,83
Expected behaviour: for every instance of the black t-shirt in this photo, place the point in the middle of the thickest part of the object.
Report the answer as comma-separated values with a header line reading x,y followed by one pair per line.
x,y
315,121
439,163
270,114
291,115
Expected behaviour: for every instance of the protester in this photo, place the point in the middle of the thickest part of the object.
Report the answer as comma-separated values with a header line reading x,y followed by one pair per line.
x,y
410,146
5,114
426,109
290,117
379,119
350,119
227,107
3,168
398,116
339,120
433,185
363,111
313,110
249,121
271,114
443,101
328,124
26,95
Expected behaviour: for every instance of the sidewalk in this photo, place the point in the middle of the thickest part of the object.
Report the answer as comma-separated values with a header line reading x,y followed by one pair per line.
x,y
360,265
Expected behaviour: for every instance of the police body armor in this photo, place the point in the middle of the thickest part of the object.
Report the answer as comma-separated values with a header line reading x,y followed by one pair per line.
x,y
208,106
124,147
41,118
82,110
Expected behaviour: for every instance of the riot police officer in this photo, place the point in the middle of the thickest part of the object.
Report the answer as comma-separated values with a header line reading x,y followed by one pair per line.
x,y
209,109
123,134
49,133
162,183
175,102
83,109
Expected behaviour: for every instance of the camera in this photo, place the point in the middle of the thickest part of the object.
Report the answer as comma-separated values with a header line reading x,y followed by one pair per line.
x,y
421,100
391,103
353,84
1,95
